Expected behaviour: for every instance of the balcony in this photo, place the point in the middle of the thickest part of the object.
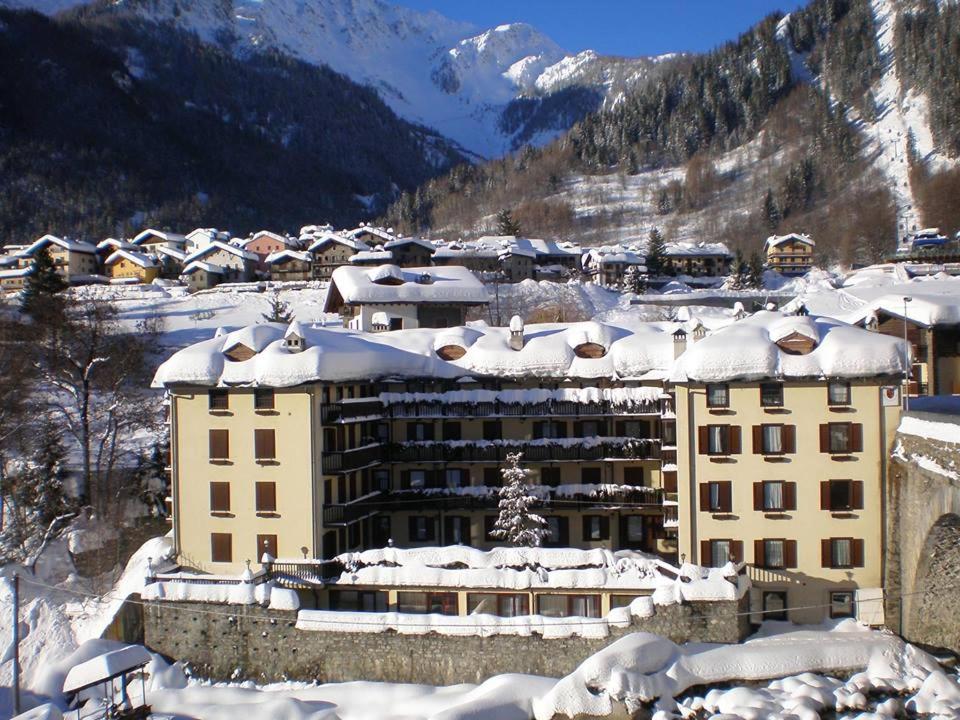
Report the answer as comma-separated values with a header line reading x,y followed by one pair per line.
x,y
350,460
347,513
533,451
562,408
350,411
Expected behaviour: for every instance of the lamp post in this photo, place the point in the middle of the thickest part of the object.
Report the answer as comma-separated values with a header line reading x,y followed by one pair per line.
x,y
906,353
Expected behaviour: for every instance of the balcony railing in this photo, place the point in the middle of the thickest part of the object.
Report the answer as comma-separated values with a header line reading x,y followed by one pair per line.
x,y
350,460
566,408
350,411
304,573
347,513
615,449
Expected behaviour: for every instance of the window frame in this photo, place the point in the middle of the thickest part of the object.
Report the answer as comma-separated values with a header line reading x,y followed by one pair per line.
x,y
774,614
783,496
778,401
852,602
218,400
259,396
723,437
847,393
764,450
724,388
848,440
222,537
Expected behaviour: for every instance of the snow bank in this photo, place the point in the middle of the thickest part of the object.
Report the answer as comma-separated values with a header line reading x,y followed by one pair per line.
x,y
948,432
239,592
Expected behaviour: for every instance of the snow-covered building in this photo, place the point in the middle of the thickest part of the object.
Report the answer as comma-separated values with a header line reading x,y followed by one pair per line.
x,y
410,252
928,246
790,254
289,265
331,250
403,298
150,239
76,260
698,259
235,263
132,265
763,442
265,243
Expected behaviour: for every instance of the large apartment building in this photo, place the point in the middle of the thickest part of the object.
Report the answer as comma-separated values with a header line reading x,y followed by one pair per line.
x,y
305,443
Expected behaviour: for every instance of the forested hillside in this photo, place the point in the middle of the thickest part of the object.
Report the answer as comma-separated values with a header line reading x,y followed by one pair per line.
x,y
105,124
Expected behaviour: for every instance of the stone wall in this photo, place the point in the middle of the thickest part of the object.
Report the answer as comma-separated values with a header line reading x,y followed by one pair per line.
x,y
922,553
249,642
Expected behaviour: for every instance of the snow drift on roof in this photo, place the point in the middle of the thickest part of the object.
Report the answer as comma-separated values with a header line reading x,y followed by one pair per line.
x,y
448,284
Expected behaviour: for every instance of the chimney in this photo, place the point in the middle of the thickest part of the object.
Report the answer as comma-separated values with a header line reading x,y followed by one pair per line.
x,y
516,333
679,342
294,340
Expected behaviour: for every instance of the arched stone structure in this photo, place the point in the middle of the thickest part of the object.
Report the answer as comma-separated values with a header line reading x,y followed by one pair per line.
x,y
934,613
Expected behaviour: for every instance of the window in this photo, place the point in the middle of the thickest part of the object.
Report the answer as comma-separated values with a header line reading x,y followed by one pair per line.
x,y
421,528
774,554
772,436
492,430
596,527
549,429
418,431
590,476
633,475
491,477
218,399
841,552
381,480
774,496
451,430
263,399
456,530
489,525
219,444
421,602
716,497
265,444
219,497
774,605
418,479
502,604
550,476
221,547
771,395
841,438
558,531
266,497
719,439
617,601
635,529
838,393
266,545
719,553
569,605
718,395
842,604
840,495
456,477
589,429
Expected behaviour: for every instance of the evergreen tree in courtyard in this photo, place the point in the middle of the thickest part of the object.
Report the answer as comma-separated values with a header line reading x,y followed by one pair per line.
x,y
517,524
755,272
506,225
656,253
41,299
279,311
634,280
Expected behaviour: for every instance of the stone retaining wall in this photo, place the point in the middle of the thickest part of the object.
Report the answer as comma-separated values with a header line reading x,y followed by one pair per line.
x,y
248,642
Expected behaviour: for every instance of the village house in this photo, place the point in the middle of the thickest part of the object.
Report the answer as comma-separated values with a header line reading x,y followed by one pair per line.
x,y
517,265
150,239
170,261
663,438
108,246
477,258
200,238
76,261
410,252
13,279
288,265
330,251
265,243
369,235
236,264
200,275
388,297
132,265
698,259
789,254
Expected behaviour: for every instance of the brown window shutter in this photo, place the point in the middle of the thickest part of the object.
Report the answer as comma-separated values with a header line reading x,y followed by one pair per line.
x,y
221,547
825,558
703,440
266,544
265,444
266,497
411,528
825,495
824,438
856,437
736,550
789,438
411,431
621,428
604,527
856,550
759,556
757,439
670,481
706,557
856,495
219,444
585,531
733,435
790,553
758,496
726,496
704,497
789,496
577,428
219,497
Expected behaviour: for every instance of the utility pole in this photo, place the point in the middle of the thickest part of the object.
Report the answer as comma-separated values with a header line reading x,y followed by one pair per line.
x,y
906,353
16,644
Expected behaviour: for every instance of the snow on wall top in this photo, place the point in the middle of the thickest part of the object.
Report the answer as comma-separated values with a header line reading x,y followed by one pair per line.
x,y
744,350
106,666
446,284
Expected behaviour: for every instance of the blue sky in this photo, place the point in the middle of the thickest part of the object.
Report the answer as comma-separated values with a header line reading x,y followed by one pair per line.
x,y
618,27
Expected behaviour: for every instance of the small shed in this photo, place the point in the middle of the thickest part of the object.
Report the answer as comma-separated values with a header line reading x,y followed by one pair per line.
x,y
102,670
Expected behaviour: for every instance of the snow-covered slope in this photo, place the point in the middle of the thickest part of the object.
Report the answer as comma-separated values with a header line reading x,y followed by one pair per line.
x,y
446,74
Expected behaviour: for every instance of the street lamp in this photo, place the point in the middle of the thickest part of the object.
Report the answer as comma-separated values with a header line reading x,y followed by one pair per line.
x,y
906,353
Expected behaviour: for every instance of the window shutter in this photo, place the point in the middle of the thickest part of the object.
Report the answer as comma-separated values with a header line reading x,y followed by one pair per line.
x,y
705,497
405,479
219,497
726,496
565,531
789,439
703,441
706,557
577,428
265,444
825,496
266,497
856,495
824,437
604,527
759,556
757,439
621,428
758,496
219,444
428,431
733,435
825,559
266,544
585,532
856,550
789,496
221,547
790,553
412,528
856,437
736,550
411,431
670,481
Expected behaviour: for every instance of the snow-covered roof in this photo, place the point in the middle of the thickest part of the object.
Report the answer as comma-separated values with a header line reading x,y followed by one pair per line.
x,y
163,235
372,256
104,667
384,234
923,309
391,284
115,244
170,252
695,249
15,273
288,254
137,258
530,246
401,242
318,241
264,234
201,265
777,240
65,243
216,245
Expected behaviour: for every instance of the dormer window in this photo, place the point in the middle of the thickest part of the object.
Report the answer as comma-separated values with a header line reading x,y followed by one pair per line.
x,y
796,344
590,350
239,353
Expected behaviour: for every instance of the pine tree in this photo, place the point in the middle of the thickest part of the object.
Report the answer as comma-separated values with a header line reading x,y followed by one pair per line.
x,y
41,299
516,523
279,311
739,276
634,280
755,272
49,499
656,253
506,225
771,211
